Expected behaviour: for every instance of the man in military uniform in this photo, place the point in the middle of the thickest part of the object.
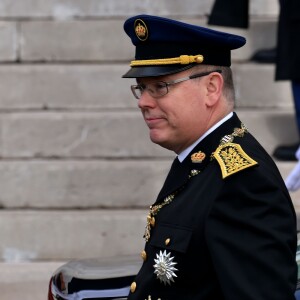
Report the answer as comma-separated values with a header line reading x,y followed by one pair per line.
x,y
223,225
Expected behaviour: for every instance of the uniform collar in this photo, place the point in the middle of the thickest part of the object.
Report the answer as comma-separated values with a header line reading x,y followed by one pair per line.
x,y
186,152
180,173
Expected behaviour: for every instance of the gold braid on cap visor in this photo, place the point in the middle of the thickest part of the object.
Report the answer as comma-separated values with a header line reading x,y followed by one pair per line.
x,y
182,59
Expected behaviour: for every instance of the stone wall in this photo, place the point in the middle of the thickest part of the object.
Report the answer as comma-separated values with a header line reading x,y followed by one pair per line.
x,y
77,170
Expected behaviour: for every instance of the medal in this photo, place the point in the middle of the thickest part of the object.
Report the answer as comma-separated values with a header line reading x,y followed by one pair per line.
x,y
164,267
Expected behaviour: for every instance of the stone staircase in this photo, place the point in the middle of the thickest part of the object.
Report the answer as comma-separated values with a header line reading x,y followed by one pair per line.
x,y
77,171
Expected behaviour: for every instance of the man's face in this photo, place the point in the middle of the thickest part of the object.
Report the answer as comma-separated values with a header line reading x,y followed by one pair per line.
x,y
180,117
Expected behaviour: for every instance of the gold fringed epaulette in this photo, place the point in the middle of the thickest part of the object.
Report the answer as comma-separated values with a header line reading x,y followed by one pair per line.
x,y
232,159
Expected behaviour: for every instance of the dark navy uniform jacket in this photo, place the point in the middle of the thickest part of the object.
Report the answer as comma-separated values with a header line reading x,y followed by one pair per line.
x,y
231,238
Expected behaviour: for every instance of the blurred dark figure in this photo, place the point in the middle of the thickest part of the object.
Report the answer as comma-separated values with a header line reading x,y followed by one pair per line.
x,y
286,55
230,13
235,13
288,64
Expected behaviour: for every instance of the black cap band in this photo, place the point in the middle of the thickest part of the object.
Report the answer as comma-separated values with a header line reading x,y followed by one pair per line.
x,y
212,56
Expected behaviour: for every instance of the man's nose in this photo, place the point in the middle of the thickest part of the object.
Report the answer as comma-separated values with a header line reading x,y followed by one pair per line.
x,y
146,100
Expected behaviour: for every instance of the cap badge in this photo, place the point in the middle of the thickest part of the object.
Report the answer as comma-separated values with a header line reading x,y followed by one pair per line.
x,y
141,30
198,157
164,267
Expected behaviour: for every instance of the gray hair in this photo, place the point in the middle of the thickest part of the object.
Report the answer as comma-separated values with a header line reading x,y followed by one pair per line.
x,y
226,72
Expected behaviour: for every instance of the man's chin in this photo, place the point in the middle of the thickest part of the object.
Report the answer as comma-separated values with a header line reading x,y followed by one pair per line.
x,y
161,142
156,140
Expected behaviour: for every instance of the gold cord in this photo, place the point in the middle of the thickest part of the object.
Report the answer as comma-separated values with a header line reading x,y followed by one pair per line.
x,y
182,59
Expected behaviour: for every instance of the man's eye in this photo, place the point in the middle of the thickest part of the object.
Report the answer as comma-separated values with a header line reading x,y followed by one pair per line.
x,y
160,86
142,86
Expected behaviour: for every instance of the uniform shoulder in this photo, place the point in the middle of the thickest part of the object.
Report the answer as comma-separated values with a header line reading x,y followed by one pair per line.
x,y
232,159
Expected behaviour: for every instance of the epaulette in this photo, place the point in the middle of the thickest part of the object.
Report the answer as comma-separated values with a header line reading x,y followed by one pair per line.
x,y
232,159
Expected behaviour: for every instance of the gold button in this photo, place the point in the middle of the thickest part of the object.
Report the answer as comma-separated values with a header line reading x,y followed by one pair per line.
x,y
167,241
152,221
144,255
133,287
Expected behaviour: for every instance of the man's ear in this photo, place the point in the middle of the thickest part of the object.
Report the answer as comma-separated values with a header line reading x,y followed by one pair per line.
x,y
214,87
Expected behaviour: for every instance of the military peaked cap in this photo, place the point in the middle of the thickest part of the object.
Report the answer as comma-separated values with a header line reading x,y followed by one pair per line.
x,y
165,46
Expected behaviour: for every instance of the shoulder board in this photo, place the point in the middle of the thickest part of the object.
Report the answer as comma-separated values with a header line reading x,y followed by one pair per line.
x,y
232,159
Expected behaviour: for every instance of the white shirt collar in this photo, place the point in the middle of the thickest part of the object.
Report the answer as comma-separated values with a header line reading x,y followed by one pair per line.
x,y
185,153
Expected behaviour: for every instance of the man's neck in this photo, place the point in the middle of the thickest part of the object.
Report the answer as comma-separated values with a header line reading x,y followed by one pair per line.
x,y
187,151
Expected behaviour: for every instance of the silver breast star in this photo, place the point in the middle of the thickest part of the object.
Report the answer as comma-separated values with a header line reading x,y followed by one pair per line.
x,y
164,267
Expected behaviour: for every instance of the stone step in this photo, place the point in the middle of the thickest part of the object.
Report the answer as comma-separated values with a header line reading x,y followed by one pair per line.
x,y
271,127
26,280
100,39
48,40
112,8
86,87
256,88
98,135
86,185
43,235
103,175
81,184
